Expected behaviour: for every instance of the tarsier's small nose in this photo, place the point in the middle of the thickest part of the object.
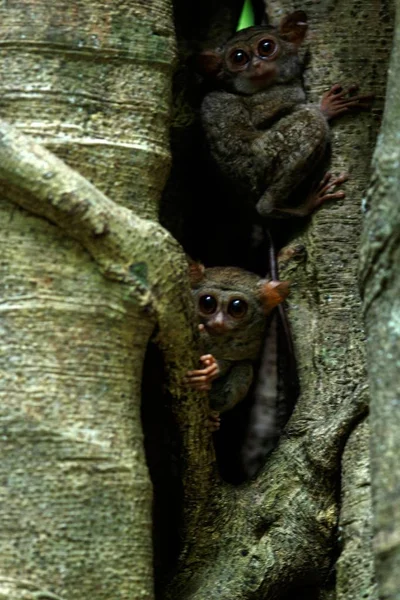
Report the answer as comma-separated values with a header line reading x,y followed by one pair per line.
x,y
217,324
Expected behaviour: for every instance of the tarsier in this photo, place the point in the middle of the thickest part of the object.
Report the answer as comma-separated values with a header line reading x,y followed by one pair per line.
x,y
266,140
233,307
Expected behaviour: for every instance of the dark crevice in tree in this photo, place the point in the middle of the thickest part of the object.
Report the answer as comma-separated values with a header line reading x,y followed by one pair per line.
x,y
162,448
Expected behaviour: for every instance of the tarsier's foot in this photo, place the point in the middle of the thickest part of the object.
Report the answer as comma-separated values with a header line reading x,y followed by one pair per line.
x,y
214,421
325,191
338,101
201,379
292,253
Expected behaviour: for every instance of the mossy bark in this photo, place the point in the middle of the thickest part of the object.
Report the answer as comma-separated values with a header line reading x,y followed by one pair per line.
x,y
84,283
88,275
379,275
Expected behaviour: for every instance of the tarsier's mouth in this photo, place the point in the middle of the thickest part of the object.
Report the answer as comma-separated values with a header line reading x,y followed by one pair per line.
x,y
217,331
261,76
258,78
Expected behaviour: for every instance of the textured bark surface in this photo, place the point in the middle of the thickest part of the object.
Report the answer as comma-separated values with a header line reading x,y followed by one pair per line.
x,y
80,300
76,495
85,281
341,52
355,566
91,80
380,283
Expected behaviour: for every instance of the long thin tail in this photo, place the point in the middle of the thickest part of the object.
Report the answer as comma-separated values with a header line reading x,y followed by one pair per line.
x,y
285,348
277,387
263,429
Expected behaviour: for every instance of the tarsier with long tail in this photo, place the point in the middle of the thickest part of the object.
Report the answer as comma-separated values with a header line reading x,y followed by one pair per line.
x,y
266,140
233,307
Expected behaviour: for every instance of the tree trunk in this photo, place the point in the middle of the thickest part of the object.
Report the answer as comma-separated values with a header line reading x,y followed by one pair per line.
x,y
81,299
84,253
380,283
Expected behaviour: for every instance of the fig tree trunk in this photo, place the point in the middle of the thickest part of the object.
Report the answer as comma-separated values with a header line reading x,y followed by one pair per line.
x,y
89,277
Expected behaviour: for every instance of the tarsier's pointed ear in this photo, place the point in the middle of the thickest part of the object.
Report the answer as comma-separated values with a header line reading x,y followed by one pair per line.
x,y
273,293
209,63
293,28
196,272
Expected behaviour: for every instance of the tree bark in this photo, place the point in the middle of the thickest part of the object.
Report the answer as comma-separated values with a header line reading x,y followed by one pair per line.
x,y
89,85
380,285
84,281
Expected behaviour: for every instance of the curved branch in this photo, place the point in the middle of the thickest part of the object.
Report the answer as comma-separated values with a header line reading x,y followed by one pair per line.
x,y
122,245
284,522
116,238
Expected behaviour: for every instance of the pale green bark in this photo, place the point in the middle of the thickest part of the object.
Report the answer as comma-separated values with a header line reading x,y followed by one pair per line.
x,y
355,566
380,281
75,498
80,300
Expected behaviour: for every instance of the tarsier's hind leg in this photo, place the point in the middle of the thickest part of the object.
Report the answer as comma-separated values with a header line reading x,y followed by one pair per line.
x,y
231,388
300,145
324,191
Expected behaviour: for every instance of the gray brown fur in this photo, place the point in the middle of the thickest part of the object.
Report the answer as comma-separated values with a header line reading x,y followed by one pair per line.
x,y
234,342
263,136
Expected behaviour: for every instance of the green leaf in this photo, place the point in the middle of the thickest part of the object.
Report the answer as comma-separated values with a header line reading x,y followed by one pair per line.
x,y
247,16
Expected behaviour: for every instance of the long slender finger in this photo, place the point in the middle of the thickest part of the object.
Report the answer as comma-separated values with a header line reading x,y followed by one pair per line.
x,y
332,196
339,179
213,376
194,375
326,178
335,89
327,183
323,190
207,357
352,101
194,381
364,97
210,369
338,95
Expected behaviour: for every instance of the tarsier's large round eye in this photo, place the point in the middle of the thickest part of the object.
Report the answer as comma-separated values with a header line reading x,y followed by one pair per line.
x,y
237,308
239,57
266,47
207,304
